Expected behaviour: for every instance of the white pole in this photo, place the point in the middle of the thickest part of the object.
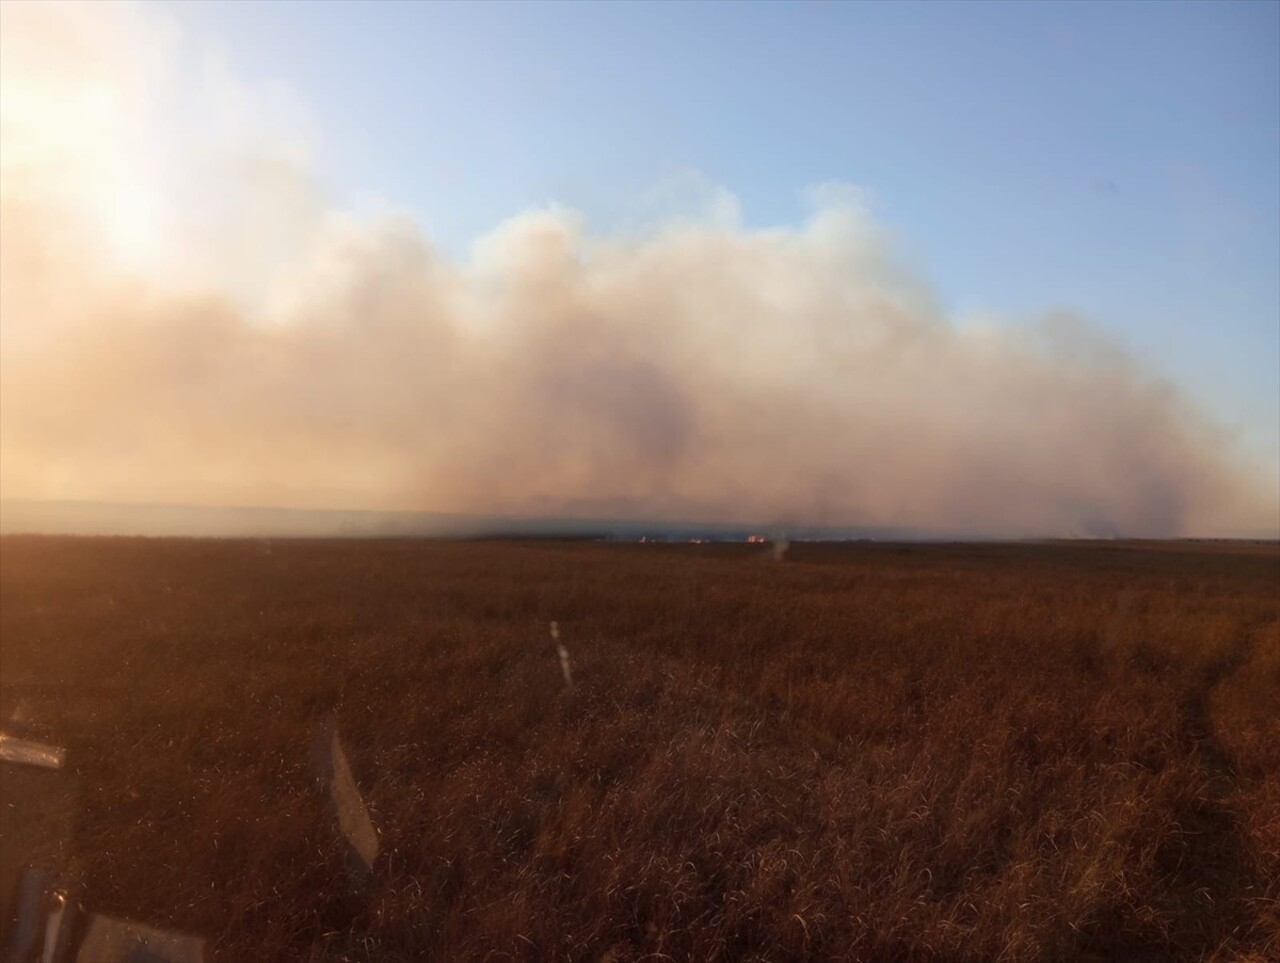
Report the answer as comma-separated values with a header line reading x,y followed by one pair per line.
x,y
564,655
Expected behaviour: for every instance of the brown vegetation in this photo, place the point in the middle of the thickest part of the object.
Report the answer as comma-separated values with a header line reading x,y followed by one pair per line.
x,y
865,752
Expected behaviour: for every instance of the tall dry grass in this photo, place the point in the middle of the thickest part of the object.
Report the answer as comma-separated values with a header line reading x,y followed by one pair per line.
x,y
1019,753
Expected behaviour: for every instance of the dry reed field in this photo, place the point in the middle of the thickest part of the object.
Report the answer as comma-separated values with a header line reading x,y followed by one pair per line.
x,y
863,752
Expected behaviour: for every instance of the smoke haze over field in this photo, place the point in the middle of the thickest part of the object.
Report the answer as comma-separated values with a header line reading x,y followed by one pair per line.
x,y
193,323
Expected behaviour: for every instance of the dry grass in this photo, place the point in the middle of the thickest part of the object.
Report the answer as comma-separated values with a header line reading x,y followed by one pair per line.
x,y
864,753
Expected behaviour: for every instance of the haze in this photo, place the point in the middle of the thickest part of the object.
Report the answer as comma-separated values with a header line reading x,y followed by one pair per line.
x,y
198,309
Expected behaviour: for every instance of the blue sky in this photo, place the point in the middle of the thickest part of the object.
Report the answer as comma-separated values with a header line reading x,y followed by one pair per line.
x,y
1117,160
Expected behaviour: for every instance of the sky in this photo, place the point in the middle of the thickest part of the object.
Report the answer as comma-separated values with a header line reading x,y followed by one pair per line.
x,y
1052,204
1117,160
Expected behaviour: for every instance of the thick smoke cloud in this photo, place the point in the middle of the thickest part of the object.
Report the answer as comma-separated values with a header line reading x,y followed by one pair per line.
x,y
693,370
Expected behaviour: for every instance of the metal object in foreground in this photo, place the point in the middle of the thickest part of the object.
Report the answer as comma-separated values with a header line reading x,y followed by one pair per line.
x,y
344,796
109,940
24,752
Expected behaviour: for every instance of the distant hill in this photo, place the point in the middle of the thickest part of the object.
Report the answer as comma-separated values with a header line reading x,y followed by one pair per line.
x,y
106,518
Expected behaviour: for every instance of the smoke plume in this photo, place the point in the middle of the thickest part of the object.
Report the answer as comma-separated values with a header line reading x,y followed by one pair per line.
x,y
194,323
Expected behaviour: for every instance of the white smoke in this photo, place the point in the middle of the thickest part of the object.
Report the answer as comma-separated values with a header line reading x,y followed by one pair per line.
x,y
222,335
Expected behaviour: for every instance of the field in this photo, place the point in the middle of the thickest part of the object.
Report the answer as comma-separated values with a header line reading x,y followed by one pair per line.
x,y
863,752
